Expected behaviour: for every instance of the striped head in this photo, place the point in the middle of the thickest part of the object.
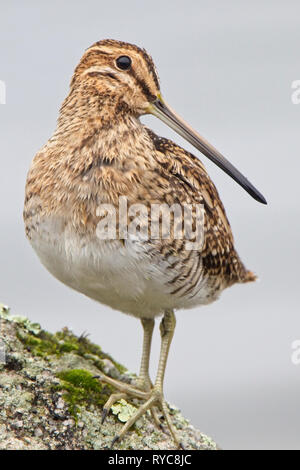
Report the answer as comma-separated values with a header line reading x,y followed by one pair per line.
x,y
118,73
115,78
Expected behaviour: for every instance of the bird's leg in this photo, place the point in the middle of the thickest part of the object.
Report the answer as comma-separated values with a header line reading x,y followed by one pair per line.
x,y
167,327
156,397
143,381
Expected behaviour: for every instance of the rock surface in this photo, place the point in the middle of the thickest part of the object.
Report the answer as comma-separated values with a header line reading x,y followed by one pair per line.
x,y
50,400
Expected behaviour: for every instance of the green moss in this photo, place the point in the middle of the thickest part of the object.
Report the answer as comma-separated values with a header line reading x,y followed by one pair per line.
x,y
35,344
41,343
79,386
81,389
68,347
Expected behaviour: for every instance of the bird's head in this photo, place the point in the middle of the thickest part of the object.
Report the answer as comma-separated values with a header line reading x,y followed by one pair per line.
x,y
120,78
120,73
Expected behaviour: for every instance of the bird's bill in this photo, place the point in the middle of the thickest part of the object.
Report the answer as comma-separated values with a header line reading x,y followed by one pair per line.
x,y
163,111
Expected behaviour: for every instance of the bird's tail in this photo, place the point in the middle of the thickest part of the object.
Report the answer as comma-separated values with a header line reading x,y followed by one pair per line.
x,y
249,277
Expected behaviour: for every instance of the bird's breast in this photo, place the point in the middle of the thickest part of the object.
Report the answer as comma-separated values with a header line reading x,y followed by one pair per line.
x,y
131,275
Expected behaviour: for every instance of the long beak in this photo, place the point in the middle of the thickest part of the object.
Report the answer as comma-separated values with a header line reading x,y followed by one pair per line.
x,y
163,111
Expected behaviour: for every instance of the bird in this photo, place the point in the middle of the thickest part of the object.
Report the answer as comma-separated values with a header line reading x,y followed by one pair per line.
x,y
100,154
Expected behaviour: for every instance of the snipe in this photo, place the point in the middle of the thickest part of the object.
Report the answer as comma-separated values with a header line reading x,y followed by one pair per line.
x,y
101,153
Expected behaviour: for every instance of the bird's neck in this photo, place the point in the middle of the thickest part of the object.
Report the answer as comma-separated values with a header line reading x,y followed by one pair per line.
x,y
91,127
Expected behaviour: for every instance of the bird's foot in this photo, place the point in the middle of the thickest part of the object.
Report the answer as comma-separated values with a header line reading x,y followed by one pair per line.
x,y
143,383
141,390
128,389
153,399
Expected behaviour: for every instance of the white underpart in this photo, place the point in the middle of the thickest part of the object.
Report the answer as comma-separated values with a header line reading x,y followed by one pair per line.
x,y
121,276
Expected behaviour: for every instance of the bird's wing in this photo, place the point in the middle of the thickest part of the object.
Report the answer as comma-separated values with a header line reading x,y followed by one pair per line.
x,y
218,253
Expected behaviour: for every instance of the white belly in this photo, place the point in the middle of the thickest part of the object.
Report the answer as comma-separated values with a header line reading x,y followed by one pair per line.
x,y
121,276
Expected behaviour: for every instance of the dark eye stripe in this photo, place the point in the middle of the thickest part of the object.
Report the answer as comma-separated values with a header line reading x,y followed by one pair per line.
x,y
143,86
151,67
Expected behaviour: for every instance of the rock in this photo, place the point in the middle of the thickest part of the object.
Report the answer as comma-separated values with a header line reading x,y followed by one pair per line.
x,y
50,400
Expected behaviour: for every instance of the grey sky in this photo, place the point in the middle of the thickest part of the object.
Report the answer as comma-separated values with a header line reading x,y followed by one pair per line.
x,y
227,68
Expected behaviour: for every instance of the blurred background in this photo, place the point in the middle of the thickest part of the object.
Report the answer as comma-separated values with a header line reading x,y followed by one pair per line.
x,y
227,68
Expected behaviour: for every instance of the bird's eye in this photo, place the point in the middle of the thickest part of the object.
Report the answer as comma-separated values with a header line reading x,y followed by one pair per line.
x,y
123,62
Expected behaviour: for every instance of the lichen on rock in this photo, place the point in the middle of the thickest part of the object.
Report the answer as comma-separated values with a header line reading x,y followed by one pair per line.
x,y
50,400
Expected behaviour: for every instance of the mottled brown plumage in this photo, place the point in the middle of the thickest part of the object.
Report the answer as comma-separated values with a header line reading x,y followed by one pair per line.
x,y
99,152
